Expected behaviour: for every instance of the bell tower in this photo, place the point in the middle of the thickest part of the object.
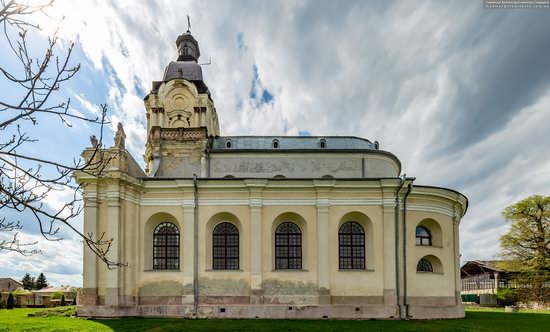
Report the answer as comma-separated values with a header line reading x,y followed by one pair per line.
x,y
181,116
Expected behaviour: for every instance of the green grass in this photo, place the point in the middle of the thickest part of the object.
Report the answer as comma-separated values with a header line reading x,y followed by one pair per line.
x,y
477,319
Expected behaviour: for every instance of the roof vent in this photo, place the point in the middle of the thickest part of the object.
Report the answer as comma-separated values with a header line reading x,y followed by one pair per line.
x,y
275,143
228,144
322,143
376,145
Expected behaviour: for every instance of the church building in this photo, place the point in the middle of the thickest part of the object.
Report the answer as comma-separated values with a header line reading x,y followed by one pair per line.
x,y
305,227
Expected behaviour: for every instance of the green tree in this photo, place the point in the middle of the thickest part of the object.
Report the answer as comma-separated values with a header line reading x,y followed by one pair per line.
x,y
63,302
28,282
526,245
11,301
41,281
56,295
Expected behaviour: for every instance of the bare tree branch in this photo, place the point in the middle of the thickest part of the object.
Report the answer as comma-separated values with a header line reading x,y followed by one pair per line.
x,y
29,178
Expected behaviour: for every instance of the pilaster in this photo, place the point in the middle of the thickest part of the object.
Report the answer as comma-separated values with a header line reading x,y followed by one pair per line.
x,y
112,295
323,256
389,233
188,246
456,243
255,204
89,290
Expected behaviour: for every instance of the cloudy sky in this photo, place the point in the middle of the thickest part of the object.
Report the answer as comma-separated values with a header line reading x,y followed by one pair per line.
x,y
461,94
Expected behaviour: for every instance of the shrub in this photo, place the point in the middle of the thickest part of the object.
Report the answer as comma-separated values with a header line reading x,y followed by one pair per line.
x,y
71,295
62,302
1,304
21,291
68,311
11,301
56,296
507,296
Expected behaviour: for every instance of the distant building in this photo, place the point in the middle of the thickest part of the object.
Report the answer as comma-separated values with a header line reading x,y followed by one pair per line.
x,y
482,277
9,284
263,226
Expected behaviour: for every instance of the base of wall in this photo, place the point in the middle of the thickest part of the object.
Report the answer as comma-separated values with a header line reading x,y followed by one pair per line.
x,y
272,311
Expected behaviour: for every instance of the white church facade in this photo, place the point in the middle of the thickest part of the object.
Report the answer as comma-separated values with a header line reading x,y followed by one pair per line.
x,y
263,227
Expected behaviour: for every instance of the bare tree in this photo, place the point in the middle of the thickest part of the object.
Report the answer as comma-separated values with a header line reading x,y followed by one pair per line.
x,y
28,177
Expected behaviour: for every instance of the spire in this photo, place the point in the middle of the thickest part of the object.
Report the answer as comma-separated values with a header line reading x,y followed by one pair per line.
x,y
188,47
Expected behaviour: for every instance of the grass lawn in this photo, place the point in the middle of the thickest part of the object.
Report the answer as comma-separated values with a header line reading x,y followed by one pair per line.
x,y
476,320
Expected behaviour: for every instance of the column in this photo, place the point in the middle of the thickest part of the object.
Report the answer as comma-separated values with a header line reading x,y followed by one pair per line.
x,y
196,121
154,117
203,117
89,284
161,117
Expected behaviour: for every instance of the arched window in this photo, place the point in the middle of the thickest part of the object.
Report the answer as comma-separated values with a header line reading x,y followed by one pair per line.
x,y
288,247
275,143
351,240
423,236
225,247
166,247
228,144
424,265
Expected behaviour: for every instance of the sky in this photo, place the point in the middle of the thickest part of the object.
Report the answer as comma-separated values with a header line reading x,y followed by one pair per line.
x,y
459,93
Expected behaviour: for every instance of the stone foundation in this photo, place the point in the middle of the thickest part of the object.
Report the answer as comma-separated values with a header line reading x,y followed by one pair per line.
x,y
273,311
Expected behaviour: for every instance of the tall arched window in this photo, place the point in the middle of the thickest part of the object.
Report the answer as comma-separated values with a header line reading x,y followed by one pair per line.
x,y
166,247
424,265
288,246
225,247
351,240
423,236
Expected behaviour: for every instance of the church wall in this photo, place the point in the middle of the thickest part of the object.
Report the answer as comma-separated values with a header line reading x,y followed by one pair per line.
x,y
440,283
299,165
156,286
368,283
224,286
239,202
289,286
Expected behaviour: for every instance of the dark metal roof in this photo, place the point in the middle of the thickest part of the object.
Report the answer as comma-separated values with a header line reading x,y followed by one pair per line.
x,y
291,143
188,70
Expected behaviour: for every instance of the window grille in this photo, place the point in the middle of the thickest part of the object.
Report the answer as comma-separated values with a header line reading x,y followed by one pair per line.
x,y
166,247
225,247
424,265
288,247
351,243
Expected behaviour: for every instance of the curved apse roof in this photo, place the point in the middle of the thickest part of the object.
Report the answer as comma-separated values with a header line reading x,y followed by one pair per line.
x,y
291,143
